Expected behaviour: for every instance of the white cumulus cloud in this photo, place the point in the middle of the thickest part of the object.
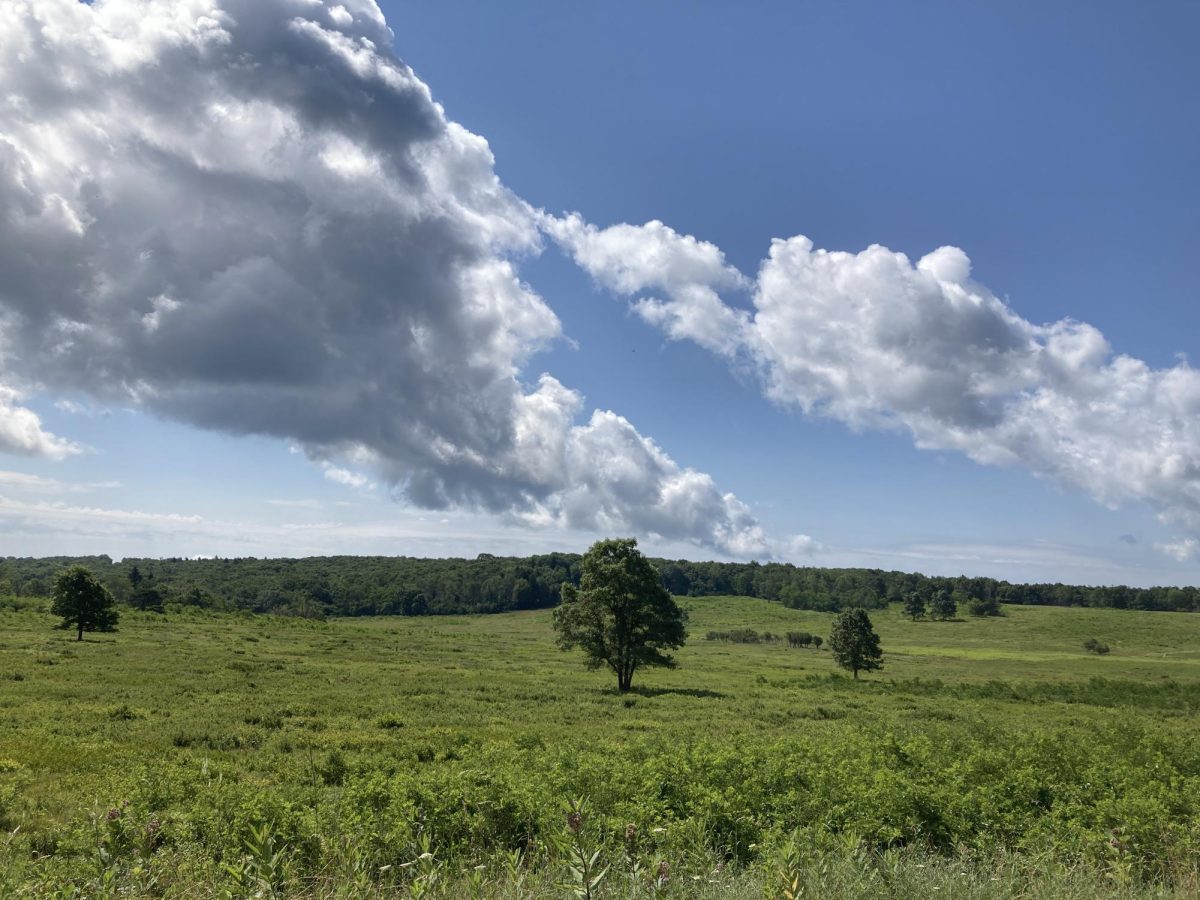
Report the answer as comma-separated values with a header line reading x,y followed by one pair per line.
x,y
248,215
875,340
21,431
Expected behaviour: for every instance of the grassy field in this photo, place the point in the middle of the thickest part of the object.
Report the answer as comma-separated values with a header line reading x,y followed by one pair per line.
x,y
218,755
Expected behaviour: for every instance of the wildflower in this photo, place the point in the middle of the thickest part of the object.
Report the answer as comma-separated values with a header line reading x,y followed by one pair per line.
x,y
630,833
574,821
113,814
664,871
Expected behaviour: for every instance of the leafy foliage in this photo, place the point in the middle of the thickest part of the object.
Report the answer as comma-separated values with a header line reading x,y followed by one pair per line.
x,y
914,605
620,615
363,586
83,602
944,605
147,599
854,643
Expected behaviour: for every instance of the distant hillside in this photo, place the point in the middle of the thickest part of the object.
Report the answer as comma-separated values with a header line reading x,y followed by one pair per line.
x,y
398,585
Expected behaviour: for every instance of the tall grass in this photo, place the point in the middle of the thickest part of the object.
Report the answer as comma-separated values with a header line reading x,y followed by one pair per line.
x,y
203,755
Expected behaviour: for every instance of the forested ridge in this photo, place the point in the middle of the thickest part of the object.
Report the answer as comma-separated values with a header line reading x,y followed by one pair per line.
x,y
399,585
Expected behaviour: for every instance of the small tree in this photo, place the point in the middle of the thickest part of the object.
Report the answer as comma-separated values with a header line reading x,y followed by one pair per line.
x,y
854,643
148,600
621,616
943,606
817,641
983,606
83,602
914,606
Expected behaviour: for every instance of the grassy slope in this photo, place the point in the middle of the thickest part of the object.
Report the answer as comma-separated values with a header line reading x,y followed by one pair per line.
x,y
267,697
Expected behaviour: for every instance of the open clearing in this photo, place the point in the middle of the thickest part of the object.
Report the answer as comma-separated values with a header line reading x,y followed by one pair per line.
x,y
990,757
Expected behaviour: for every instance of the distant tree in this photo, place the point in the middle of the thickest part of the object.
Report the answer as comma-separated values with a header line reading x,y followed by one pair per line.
x,y
943,606
621,616
135,578
147,599
83,602
854,643
983,606
1091,645
195,597
414,604
817,641
914,606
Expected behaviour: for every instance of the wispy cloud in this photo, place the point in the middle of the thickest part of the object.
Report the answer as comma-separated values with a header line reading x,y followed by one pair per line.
x,y
28,483
1034,561
349,478
88,410
25,524
1183,550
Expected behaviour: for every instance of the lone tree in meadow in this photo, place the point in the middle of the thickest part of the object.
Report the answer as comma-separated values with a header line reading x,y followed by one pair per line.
x,y
914,605
854,643
621,616
944,606
83,602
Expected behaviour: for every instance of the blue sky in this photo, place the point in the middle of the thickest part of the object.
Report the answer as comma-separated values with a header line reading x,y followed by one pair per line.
x,y
1054,146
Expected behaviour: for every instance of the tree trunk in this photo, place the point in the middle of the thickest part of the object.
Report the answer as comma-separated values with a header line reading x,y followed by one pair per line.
x,y
80,637
856,673
624,680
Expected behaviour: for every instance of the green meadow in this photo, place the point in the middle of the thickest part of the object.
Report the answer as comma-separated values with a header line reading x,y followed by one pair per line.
x,y
201,754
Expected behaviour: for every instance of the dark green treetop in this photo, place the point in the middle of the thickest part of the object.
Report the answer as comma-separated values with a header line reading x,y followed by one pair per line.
x,y
943,606
621,616
854,643
83,602
914,605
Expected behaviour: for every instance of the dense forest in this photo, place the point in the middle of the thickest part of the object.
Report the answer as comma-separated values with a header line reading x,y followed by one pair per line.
x,y
397,585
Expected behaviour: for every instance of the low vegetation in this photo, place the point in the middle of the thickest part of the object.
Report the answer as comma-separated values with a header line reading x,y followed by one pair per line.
x,y
209,754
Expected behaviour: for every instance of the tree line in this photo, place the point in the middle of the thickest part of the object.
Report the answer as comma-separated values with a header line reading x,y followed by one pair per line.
x,y
387,585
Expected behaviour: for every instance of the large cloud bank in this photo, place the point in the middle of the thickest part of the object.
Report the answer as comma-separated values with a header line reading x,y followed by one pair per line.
x,y
876,341
249,216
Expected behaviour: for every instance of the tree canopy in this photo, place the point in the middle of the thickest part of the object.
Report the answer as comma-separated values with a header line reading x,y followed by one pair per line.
x,y
944,605
914,605
83,602
854,643
621,616
399,585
